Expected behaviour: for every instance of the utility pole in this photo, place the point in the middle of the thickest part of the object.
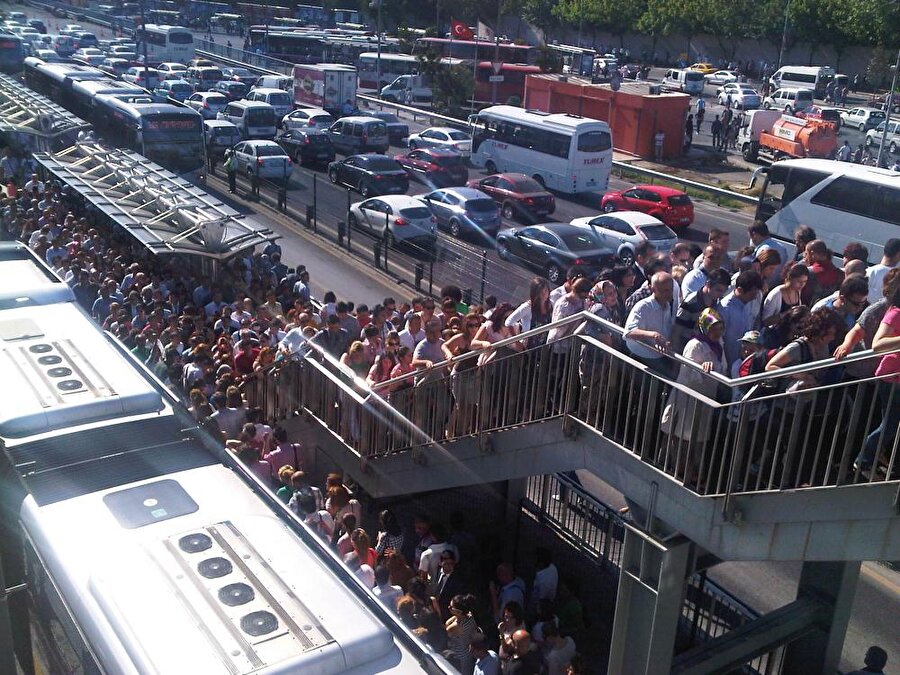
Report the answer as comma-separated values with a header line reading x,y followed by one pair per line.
x,y
496,51
889,104
144,40
378,48
784,34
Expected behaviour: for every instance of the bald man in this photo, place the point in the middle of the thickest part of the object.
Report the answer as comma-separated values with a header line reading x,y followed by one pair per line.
x,y
649,325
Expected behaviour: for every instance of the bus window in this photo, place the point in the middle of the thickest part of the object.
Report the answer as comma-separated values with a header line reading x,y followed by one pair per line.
x,y
849,195
799,181
887,207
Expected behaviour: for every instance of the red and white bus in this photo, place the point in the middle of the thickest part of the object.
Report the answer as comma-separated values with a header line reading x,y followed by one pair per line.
x,y
513,83
479,50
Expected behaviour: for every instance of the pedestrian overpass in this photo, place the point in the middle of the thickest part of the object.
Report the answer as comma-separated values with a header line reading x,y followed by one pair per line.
x,y
768,474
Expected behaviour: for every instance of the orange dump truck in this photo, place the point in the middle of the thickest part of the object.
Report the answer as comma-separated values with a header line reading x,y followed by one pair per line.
x,y
766,134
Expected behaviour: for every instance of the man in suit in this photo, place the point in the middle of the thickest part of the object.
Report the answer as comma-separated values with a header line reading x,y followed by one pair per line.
x,y
448,584
644,252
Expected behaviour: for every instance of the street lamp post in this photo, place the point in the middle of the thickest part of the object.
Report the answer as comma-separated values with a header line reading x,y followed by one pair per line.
x,y
377,3
784,34
889,104
496,50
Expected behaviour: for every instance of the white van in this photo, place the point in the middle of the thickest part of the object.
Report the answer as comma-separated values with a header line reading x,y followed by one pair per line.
x,y
282,82
408,89
682,79
254,119
279,99
789,100
815,78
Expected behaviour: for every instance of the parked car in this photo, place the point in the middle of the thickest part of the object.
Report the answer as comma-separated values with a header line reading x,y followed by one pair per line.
x,y
705,68
306,146
232,90
435,167
307,118
721,77
207,103
552,248
671,206
464,210
789,100
873,136
405,218
171,71
115,67
396,129
743,96
863,118
240,75
370,174
147,78
442,137
519,196
179,90
89,55
622,232
264,159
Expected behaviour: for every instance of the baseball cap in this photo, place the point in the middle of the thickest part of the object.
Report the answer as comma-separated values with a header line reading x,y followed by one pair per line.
x,y
751,337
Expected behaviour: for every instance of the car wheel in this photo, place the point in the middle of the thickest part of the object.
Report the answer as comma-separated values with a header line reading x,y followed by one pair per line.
x,y
554,273
869,141
365,189
767,105
352,222
503,251
626,255
454,228
862,128
490,167
893,147
333,176
609,207
509,211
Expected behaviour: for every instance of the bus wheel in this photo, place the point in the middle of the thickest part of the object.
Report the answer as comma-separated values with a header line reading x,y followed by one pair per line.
x,y
490,167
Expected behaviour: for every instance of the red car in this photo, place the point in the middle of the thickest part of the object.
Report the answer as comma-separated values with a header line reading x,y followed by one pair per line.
x,y
518,195
671,206
436,167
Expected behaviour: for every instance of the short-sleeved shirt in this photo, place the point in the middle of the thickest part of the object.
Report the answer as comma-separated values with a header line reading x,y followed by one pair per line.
x,y
429,351
648,315
890,363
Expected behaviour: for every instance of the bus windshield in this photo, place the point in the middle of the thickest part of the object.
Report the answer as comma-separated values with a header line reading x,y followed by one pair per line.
x,y
594,141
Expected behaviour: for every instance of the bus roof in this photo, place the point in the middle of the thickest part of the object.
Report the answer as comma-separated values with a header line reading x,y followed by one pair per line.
x,y
871,174
571,49
165,28
561,121
137,109
512,67
483,41
808,70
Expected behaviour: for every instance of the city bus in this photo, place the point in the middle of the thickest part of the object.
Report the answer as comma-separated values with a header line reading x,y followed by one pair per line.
x,y
288,45
170,135
562,152
165,43
12,55
392,66
479,50
841,201
575,60
513,84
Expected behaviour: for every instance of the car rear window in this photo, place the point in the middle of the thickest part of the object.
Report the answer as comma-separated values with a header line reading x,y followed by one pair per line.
x,y
269,151
388,118
181,38
280,99
218,99
381,164
580,241
693,76
181,88
448,161
656,232
318,139
679,200
211,74
481,205
224,132
457,136
416,212
320,120
261,117
527,185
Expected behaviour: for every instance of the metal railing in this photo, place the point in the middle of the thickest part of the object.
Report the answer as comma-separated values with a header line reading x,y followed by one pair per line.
x,y
597,532
763,432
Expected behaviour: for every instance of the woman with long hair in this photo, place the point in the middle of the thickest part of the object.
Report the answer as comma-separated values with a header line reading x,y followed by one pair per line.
x,y
463,377
500,374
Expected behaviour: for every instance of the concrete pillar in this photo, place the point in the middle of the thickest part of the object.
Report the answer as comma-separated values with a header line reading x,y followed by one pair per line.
x,y
820,651
648,604
515,492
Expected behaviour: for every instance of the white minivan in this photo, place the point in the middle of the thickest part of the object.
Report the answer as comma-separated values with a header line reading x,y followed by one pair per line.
x,y
254,119
789,100
682,79
277,98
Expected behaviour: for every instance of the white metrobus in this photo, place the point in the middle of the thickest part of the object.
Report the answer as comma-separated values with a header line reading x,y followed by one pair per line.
x,y
843,202
563,152
165,43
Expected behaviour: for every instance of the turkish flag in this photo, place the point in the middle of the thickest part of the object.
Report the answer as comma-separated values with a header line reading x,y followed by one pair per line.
x,y
461,31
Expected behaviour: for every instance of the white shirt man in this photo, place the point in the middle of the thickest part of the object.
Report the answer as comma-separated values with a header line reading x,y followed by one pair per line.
x,y
650,320
876,273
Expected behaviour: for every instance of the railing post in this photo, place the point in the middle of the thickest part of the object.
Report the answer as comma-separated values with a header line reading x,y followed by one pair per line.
x,y
737,457
484,262
387,239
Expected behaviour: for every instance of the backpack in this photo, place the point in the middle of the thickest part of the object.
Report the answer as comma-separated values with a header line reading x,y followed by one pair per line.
x,y
756,363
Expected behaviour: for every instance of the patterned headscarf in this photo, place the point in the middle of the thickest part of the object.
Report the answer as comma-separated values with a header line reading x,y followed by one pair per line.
x,y
708,318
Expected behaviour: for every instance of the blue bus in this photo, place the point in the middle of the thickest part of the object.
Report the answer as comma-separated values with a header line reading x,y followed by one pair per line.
x,y
12,55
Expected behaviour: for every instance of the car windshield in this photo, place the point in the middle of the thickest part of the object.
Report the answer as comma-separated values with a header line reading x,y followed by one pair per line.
x,y
217,99
457,136
481,205
679,200
580,241
656,232
180,88
381,164
448,161
748,90
269,151
527,185
876,114
280,99
318,139
416,212
320,120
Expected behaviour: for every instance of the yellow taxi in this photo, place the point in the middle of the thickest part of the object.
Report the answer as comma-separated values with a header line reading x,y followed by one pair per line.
x,y
704,68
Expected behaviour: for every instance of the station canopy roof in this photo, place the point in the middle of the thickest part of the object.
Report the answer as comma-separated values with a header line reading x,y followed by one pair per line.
x,y
24,111
164,212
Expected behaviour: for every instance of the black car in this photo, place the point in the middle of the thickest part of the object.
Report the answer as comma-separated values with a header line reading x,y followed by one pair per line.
x,y
435,167
306,148
552,248
397,130
233,90
370,175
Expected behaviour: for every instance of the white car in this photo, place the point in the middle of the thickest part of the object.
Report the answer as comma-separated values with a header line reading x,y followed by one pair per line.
x,y
71,29
406,218
47,55
207,103
743,96
307,118
171,71
122,52
862,118
442,137
874,136
721,77
622,231
147,78
89,55
265,159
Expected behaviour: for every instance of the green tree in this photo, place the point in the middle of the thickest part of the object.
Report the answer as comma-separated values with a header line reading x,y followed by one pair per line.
x,y
452,88
614,16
